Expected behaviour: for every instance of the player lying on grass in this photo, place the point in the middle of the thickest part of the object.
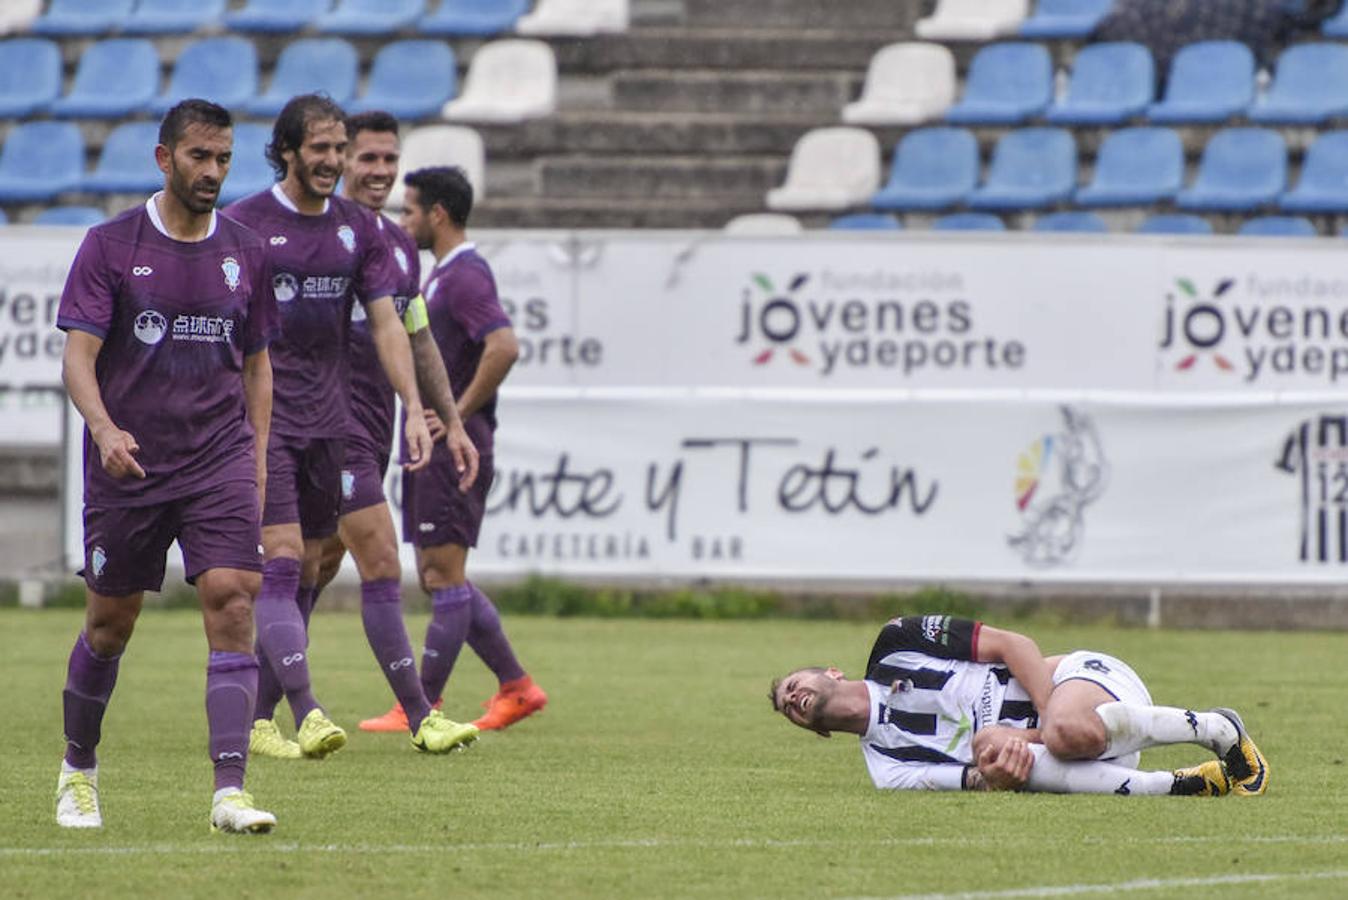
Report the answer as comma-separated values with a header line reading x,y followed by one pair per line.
x,y
951,704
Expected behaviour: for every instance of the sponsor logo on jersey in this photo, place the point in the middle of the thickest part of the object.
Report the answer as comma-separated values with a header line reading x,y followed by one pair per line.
x,y
347,237
936,629
150,327
285,286
203,329
230,267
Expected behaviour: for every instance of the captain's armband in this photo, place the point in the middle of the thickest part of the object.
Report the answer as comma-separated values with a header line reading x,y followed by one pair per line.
x,y
416,317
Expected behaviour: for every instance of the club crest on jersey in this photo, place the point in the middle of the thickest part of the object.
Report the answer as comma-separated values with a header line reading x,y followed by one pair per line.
x,y
347,237
230,267
98,560
401,257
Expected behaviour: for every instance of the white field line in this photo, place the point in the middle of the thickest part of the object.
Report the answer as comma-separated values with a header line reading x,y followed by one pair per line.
x,y
1119,887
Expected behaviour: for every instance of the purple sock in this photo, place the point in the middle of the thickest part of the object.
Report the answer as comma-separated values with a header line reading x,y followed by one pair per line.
x,y
281,636
307,600
89,682
381,611
451,614
269,691
488,639
231,688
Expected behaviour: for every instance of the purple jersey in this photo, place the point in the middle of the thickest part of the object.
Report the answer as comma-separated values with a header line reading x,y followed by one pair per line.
x,y
176,320
371,394
322,264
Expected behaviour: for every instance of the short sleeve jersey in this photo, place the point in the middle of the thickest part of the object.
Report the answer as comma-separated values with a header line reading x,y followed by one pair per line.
x,y
321,265
176,320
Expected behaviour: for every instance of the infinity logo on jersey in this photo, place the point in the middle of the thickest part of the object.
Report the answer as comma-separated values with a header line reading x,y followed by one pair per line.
x,y
142,271
150,327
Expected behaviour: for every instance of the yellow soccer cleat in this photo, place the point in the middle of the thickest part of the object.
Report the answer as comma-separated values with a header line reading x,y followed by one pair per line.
x,y
234,813
436,734
1206,780
1244,763
319,736
265,740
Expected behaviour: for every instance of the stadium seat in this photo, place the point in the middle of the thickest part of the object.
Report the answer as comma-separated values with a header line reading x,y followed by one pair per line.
x,y
1242,169
481,18
127,163
276,16
1175,223
508,81
30,76
973,20
933,168
575,17
249,171
1110,84
906,83
866,222
411,79
1007,83
969,221
222,69
173,16
1336,26
40,160
370,16
1065,19
82,216
442,145
115,78
1079,222
17,16
1278,226
309,65
763,225
82,17
1136,167
1031,168
1210,81
4,217
1309,86
1323,187
831,169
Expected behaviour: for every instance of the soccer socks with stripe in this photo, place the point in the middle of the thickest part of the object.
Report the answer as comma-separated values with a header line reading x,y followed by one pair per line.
x,y
231,692
90,679
1051,775
381,612
488,639
451,615
281,636
1131,727
269,691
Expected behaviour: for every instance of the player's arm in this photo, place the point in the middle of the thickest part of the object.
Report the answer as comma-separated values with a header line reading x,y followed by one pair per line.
x,y
116,448
908,776
395,355
442,418
257,398
500,349
1021,655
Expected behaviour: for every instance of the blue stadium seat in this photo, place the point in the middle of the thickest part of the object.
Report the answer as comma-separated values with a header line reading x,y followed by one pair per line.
x,y
1031,168
411,79
933,168
249,171
222,69
1336,26
1077,222
473,17
1278,226
1323,187
83,216
1110,83
115,78
1310,86
1007,83
865,222
1136,167
4,217
82,17
276,16
1074,19
370,16
969,221
40,160
1175,223
30,76
127,165
1242,169
1210,81
173,16
306,66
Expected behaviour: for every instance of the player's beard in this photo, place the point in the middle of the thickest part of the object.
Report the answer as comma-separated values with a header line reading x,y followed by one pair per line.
x,y
305,176
188,194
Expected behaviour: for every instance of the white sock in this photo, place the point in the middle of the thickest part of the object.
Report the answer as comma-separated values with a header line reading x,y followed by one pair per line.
x,y
68,769
1051,775
1133,727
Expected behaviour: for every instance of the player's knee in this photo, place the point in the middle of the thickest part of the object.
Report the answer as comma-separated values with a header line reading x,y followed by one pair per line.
x,y
1077,737
108,638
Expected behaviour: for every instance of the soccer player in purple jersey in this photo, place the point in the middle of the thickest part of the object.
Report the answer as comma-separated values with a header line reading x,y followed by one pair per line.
x,y
442,521
326,253
168,311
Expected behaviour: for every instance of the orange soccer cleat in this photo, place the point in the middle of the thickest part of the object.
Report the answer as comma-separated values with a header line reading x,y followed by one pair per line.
x,y
394,720
515,700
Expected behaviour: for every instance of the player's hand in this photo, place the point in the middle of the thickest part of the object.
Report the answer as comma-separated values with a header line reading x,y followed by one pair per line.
x,y
1007,768
418,443
464,453
118,450
434,424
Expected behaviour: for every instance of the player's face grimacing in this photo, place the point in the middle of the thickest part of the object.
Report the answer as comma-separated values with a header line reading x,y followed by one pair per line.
x,y
319,162
803,696
416,220
197,165
371,167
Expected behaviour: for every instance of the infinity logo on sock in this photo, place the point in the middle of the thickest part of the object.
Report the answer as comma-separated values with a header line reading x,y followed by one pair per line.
x,y
291,659
400,664
230,755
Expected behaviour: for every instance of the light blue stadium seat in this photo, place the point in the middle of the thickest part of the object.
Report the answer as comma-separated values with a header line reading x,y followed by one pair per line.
x,y
1210,81
1175,223
1336,26
82,17
30,76
1323,187
370,16
127,164
933,168
1278,226
865,222
249,171
473,17
1074,221
173,16
410,79
1065,18
276,16
1110,83
1309,86
1136,167
1031,168
223,70
115,78
40,160
4,217
307,66
1007,83
969,221
82,216
1242,169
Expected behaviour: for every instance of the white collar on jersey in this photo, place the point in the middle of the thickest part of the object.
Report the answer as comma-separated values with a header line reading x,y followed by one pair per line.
x,y
289,204
152,208
454,254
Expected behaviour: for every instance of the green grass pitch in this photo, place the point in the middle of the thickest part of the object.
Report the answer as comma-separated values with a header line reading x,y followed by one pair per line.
x,y
658,770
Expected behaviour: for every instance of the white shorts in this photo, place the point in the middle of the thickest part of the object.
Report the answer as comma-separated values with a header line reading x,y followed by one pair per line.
x,y
1110,673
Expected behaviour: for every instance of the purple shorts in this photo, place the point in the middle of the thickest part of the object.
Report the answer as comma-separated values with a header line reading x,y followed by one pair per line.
x,y
125,546
363,478
435,511
304,483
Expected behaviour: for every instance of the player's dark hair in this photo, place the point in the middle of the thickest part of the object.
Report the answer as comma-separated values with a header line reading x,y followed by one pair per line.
x,y
292,123
373,120
194,109
446,187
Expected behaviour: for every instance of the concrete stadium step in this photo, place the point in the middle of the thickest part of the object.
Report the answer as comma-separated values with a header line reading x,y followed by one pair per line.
x,y
724,48
821,93
621,132
627,212
659,176
895,15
